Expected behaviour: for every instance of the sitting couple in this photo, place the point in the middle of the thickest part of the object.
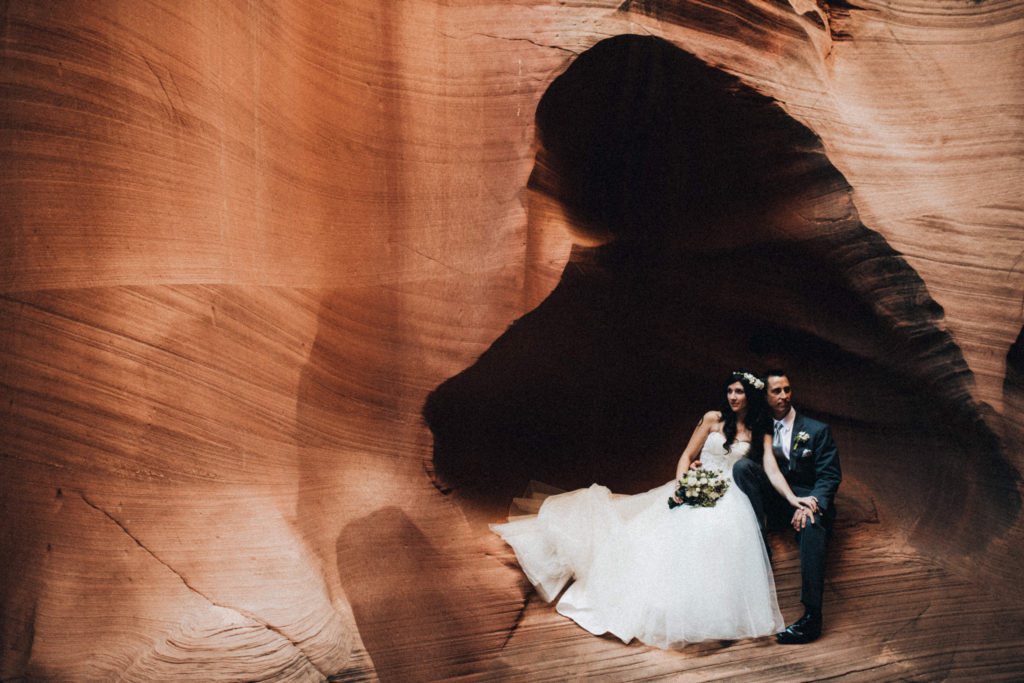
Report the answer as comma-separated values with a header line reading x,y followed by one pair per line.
x,y
669,574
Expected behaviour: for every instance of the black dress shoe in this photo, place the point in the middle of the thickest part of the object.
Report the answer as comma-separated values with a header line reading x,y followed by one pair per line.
x,y
806,629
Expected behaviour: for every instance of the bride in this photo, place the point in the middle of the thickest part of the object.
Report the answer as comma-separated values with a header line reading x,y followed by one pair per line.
x,y
663,575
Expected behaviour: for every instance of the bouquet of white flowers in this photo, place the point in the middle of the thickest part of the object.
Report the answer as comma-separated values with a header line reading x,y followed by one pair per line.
x,y
700,488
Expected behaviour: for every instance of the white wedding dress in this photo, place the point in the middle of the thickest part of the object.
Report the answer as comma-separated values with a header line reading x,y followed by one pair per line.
x,y
664,576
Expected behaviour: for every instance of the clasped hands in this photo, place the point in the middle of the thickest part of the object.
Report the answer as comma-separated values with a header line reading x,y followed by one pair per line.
x,y
806,506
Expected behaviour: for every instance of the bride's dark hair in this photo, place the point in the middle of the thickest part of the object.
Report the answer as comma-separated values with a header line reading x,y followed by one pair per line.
x,y
758,417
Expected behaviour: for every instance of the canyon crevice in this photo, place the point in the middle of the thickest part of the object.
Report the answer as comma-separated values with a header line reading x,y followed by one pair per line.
x,y
295,299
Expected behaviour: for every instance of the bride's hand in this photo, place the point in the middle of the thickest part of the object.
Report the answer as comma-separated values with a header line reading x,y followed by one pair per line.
x,y
696,465
809,502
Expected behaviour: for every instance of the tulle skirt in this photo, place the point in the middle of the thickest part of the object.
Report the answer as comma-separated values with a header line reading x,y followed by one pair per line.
x,y
638,569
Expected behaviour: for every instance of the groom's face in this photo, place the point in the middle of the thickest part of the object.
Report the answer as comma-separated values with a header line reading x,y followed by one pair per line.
x,y
780,395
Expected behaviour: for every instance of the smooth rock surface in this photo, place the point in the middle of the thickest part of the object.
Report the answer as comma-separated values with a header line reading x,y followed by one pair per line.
x,y
243,244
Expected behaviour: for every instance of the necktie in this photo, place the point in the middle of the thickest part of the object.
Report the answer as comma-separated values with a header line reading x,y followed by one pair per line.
x,y
777,443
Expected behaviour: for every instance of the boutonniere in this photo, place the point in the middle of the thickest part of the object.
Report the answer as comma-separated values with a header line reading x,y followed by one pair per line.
x,y
801,438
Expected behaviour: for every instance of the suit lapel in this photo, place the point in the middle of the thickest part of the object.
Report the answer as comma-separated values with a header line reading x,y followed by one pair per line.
x,y
797,423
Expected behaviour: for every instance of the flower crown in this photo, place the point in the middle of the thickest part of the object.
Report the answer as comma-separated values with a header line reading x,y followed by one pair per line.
x,y
752,380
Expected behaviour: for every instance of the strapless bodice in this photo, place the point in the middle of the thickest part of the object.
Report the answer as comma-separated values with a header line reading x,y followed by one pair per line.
x,y
714,456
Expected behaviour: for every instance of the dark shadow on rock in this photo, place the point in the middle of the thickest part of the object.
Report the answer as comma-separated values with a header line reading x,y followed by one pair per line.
x,y
730,241
1013,402
406,602
1013,391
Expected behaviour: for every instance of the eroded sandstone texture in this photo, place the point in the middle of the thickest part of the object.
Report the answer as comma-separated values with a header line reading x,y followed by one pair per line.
x,y
248,248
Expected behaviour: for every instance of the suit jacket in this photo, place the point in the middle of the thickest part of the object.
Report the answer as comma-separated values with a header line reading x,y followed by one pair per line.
x,y
813,467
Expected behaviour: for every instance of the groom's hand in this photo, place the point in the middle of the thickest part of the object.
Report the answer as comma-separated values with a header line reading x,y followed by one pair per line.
x,y
801,517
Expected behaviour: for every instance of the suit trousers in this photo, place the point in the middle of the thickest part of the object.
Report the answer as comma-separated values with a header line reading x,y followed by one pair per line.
x,y
775,513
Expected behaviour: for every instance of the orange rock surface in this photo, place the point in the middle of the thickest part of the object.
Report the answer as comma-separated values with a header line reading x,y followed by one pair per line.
x,y
243,244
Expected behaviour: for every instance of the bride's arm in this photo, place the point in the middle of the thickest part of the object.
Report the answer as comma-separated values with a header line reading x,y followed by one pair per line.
x,y
775,476
700,435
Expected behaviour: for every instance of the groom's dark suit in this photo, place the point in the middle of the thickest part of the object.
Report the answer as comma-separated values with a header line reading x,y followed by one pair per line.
x,y
812,469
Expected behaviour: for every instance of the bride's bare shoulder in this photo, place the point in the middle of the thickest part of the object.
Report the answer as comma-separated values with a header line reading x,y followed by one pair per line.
x,y
712,418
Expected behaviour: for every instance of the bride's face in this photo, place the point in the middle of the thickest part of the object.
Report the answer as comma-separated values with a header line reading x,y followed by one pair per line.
x,y
737,396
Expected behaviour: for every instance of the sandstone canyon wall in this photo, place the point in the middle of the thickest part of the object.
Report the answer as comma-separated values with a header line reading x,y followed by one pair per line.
x,y
244,244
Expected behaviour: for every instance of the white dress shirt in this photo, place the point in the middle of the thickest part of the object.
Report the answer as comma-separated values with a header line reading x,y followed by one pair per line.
x,y
787,430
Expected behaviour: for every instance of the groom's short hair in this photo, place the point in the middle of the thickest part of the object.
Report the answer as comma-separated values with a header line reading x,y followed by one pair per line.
x,y
775,372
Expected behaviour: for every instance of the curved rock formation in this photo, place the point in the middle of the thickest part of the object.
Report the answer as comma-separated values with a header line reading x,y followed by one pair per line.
x,y
242,245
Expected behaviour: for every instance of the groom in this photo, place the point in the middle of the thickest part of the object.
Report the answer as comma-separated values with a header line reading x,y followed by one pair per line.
x,y
808,458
